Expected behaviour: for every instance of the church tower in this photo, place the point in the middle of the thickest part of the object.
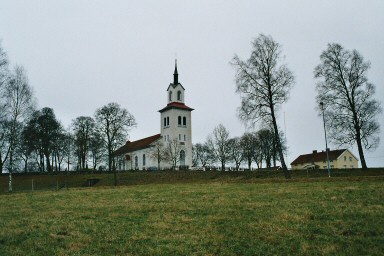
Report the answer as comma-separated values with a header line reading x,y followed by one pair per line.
x,y
176,123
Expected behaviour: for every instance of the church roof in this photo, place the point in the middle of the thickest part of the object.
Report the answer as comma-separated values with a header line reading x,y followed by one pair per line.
x,y
174,86
131,146
318,156
176,105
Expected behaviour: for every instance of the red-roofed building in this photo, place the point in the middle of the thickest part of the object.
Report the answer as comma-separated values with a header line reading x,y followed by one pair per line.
x,y
175,133
338,159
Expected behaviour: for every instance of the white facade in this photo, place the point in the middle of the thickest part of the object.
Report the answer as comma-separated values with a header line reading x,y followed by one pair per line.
x,y
175,124
175,127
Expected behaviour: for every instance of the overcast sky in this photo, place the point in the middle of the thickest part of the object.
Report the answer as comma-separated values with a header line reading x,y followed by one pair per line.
x,y
81,55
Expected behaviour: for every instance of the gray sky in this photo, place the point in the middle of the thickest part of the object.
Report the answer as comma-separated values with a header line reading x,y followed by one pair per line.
x,y
81,55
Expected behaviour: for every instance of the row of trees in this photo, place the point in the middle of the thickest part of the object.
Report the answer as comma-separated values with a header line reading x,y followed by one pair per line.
x,y
254,147
264,83
33,139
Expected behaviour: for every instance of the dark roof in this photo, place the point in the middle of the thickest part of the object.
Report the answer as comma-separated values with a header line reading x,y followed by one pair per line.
x,y
318,156
136,145
174,86
177,105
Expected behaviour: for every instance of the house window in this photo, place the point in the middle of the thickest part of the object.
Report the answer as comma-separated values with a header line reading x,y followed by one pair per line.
x,y
184,121
143,159
136,162
185,137
350,159
170,95
167,120
179,120
345,158
179,95
182,157
179,136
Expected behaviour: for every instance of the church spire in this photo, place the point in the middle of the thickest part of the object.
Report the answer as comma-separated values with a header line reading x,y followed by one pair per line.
x,y
175,74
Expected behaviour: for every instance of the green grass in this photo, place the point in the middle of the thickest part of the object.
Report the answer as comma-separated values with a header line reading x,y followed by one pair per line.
x,y
220,215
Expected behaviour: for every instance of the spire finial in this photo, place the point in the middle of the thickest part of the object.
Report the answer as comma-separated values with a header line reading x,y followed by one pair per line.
x,y
175,74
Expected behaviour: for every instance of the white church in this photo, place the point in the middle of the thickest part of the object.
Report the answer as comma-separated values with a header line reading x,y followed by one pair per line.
x,y
175,131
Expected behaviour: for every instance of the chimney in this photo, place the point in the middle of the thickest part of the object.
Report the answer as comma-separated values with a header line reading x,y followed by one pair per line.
x,y
314,152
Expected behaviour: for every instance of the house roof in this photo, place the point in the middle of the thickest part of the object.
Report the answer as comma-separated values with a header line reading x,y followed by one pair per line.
x,y
177,105
318,156
131,146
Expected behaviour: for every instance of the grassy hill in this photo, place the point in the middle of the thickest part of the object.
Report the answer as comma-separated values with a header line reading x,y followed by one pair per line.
x,y
195,213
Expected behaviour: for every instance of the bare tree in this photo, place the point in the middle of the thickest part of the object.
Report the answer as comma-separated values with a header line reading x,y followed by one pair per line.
x,y
158,151
203,154
42,134
4,122
4,72
19,104
173,152
83,127
266,141
96,147
249,147
235,152
263,84
218,143
62,148
347,97
113,124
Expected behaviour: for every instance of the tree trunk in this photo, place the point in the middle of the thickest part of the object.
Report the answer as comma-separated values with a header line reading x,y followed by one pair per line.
x,y
1,163
361,152
10,188
278,146
274,152
26,164
48,163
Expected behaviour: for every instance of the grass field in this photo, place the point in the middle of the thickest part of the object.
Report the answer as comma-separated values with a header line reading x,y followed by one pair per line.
x,y
223,215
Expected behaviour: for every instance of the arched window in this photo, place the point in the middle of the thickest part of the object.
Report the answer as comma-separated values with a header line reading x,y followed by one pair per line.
x,y
179,95
136,162
170,96
179,120
143,159
184,121
182,157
